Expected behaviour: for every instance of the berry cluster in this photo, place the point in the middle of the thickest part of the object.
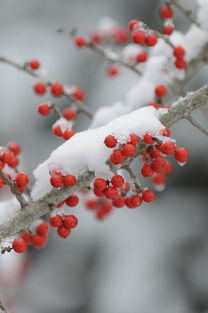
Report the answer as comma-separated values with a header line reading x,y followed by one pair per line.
x,y
64,224
9,155
141,34
101,207
38,238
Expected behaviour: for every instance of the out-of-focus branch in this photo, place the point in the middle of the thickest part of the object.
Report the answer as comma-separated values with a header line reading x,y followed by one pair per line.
x,y
14,189
80,106
197,125
2,307
36,209
186,12
107,55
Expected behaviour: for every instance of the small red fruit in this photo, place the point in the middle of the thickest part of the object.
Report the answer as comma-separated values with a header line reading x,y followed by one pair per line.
x,y
110,141
44,108
117,156
14,148
63,232
142,57
160,91
69,180
100,184
42,228
167,147
55,221
57,180
151,40
69,114
34,64
179,52
22,179
70,221
132,23
39,88
78,94
19,245
166,11
181,154
147,170
72,200
117,180
129,150
111,193
148,139
56,89
139,37
80,41
148,196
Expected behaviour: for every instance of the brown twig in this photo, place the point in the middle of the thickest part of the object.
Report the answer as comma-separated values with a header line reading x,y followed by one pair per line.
x,y
197,125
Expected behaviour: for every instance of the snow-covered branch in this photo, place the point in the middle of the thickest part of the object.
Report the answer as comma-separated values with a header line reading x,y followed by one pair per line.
x,y
35,209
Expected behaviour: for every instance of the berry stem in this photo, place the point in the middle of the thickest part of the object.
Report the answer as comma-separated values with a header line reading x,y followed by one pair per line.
x,y
134,178
16,192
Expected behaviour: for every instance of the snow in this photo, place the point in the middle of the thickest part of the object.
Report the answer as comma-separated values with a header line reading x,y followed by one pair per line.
x,y
8,208
202,13
86,150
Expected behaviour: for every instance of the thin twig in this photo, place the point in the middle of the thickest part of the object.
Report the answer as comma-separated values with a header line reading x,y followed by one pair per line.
x,y
82,108
16,192
185,11
108,55
134,178
2,307
197,125
56,109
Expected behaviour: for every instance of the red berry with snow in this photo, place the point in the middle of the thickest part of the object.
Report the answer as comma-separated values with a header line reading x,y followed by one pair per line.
x,y
160,91
148,139
167,147
142,57
166,12
129,150
70,221
57,180
69,114
34,64
148,195
139,37
56,89
133,23
179,52
110,141
117,157
39,88
22,179
78,94
117,180
151,40
181,154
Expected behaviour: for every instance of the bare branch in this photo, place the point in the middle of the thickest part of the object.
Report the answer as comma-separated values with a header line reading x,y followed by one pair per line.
x,y
185,11
197,125
82,108
108,55
2,307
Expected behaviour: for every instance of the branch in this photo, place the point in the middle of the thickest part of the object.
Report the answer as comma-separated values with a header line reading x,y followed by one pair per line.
x,y
83,108
14,189
197,125
36,209
103,52
185,11
2,307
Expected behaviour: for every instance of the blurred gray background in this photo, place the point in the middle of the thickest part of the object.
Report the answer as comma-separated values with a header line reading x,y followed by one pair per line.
x,y
151,260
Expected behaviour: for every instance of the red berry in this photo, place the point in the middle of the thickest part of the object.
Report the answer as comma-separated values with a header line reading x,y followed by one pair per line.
x,y
168,30
27,237
181,154
80,41
42,228
180,63
70,221
167,147
166,132
148,139
69,114
70,180
160,91
111,193
119,202
96,37
22,179
110,141
129,150
92,204
39,241
168,167
57,131
34,64
139,37
117,180
179,52
2,165
154,153
72,200
78,94
14,148
19,245
57,180
63,232
60,204
132,23
147,170
100,184
166,11
56,89
148,196
113,70
98,192
6,156
159,179
14,162
142,57
68,133
55,221
158,165
151,40
44,108
134,139
1,182
117,156
39,88
136,201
